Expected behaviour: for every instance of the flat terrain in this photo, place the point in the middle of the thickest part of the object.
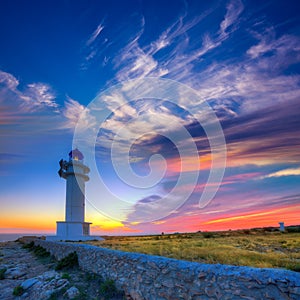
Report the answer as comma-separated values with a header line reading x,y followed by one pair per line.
x,y
256,247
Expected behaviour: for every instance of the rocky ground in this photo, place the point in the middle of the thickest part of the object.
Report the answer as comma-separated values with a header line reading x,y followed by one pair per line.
x,y
23,275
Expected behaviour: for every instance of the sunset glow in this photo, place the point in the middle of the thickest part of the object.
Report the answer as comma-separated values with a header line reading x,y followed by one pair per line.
x,y
59,61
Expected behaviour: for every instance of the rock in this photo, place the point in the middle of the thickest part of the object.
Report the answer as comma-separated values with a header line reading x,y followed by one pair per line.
x,y
61,282
49,275
247,297
24,296
210,291
72,292
202,275
295,290
28,283
135,295
46,294
15,273
168,283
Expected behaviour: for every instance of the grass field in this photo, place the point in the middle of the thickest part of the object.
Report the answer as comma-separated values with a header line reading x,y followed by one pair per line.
x,y
263,248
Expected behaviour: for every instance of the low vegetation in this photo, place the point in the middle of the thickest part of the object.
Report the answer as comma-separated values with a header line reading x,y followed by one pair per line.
x,y
18,291
108,289
41,253
2,272
265,247
65,276
37,250
67,262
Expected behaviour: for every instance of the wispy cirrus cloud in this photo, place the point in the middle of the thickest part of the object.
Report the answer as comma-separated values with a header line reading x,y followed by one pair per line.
x,y
36,102
38,96
31,113
95,34
135,61
249,87
141,61
230,22
232,87
93,47
73,111
27,115
35,97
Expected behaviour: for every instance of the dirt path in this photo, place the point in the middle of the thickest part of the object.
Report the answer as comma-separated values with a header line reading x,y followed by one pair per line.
x,y
20,264
40,281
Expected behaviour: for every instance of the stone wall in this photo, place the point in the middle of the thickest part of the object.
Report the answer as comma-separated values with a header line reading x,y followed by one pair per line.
x,y
157,278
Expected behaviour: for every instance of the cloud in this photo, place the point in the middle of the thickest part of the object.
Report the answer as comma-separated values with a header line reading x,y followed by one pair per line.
x,y
284,172
139,61
23,109
280,49
30,114
221,219
8,81
251,216
30,118
95,34
35,97
234,9
77,114
250,87
136,123
264,137
94,47
150,199
151,208
144,128
232,87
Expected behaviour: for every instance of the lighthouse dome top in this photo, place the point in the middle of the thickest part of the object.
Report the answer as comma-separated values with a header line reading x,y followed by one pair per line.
x,y
76,155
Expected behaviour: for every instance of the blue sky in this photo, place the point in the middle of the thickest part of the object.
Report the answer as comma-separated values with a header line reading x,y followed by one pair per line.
x,y
241,57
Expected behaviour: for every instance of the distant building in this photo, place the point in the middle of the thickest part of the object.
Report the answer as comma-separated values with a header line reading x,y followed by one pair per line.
x,y
281,226
74,228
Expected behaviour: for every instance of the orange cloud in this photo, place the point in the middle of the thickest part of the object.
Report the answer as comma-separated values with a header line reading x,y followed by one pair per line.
x,y
289,215
187,164
250,152
209,222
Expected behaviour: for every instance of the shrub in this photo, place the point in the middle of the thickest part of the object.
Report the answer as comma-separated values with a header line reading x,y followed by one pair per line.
x,y
2,272
37,250
53,296
292,229
29,246
40,252
91,276
65,276
68,262
18,291
295,268
208,235
108,289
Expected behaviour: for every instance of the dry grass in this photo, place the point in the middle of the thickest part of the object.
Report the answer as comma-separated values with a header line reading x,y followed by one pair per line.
x,y
257,248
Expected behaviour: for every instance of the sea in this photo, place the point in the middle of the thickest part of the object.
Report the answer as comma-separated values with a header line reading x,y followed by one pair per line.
x,y
6,237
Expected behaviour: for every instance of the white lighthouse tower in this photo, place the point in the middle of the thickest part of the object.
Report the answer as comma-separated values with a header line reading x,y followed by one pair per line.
x,y
74,228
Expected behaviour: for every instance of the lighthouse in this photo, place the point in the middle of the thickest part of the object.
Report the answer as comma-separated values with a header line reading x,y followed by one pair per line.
x,y
74,228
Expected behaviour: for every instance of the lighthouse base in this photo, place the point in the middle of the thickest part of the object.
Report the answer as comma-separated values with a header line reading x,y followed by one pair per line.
x,y
72,231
